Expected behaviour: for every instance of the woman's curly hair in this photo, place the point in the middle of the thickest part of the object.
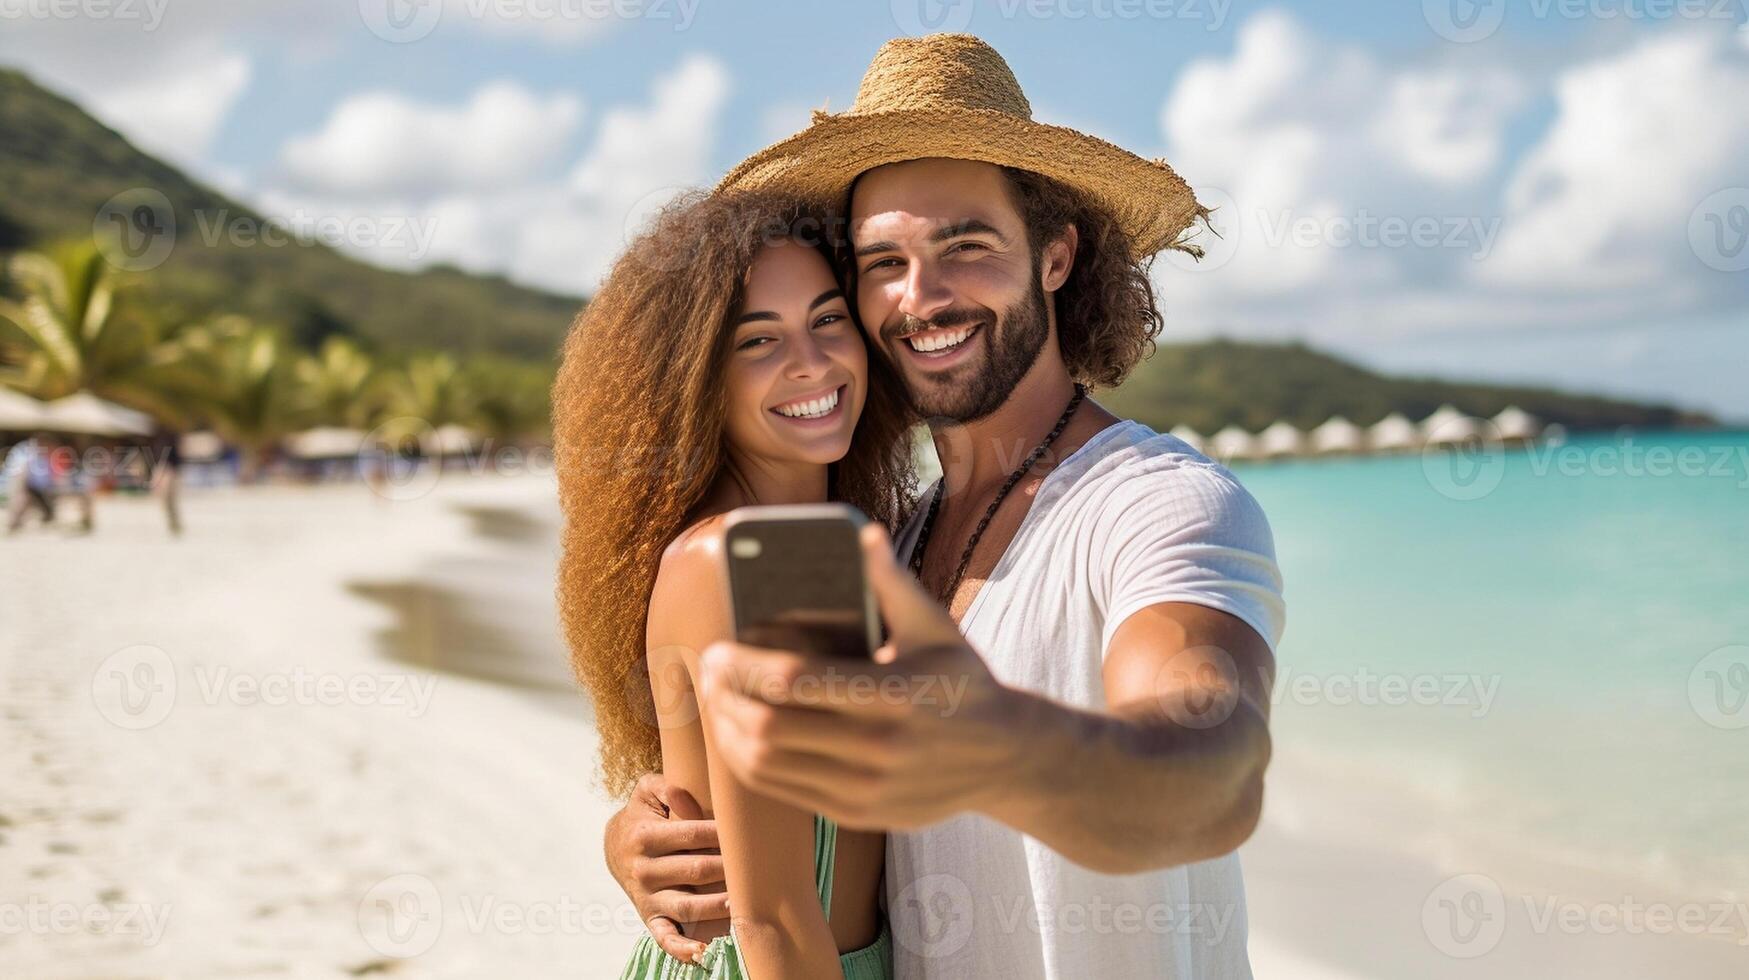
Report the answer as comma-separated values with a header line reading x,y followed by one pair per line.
x,y
1106,317
639,430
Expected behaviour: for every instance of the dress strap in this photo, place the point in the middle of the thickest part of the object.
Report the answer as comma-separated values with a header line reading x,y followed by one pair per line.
x,y
825,858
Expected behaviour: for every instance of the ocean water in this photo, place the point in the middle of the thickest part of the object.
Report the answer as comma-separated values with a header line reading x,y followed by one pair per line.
x,y
1549,647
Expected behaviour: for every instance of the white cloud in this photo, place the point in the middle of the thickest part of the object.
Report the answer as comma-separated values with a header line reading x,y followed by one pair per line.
x,y
177,111
556,227
380,142
1603,200
1363,199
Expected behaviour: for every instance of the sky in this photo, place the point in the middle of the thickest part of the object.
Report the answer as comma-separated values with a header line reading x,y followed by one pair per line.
x,y
1539,190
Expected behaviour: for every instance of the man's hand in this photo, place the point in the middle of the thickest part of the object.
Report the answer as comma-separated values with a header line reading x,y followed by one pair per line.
x,y
660,850
914,737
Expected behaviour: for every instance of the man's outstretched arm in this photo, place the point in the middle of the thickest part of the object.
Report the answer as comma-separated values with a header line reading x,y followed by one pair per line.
x,y
660,852
1170,773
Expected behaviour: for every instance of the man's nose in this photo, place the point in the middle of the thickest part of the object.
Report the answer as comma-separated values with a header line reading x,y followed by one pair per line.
x,y
925,293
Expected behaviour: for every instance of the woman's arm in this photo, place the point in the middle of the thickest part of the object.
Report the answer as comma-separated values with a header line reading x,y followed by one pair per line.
x,y
768,847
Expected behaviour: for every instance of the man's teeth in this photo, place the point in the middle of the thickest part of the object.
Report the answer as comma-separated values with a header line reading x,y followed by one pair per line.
x,y
812,409
925,343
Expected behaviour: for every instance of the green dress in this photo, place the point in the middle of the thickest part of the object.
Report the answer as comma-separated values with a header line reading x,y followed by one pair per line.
x,y
722,960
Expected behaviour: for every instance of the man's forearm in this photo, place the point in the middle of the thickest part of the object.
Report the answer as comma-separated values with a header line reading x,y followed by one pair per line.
x,y
1132,791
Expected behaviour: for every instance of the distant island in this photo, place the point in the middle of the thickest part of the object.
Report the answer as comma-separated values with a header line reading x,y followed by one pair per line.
x,y
59,166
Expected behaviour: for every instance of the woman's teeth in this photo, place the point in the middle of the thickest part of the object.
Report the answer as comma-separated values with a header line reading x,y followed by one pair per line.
x,y
933,340
813,408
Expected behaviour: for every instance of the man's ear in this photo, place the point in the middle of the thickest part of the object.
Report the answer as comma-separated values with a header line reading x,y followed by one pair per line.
x,y
1059,259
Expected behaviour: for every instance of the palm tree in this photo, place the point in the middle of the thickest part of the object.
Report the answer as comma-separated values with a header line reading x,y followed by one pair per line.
x,y
63,334
248,389
341,384
430,392
512,400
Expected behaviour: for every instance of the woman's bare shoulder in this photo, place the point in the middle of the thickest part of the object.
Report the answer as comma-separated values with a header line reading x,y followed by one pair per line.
x,y
688,603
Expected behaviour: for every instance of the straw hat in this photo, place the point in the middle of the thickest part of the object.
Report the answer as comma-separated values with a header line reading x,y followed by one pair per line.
x,y
952,95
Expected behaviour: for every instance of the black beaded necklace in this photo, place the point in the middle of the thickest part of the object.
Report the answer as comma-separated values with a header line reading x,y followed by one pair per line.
x,y
1007,485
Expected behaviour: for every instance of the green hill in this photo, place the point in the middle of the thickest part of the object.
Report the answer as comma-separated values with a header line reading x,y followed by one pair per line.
x,y
1215,383
58,166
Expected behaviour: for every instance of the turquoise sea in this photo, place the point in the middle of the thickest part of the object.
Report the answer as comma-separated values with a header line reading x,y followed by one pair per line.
x,y
1548,646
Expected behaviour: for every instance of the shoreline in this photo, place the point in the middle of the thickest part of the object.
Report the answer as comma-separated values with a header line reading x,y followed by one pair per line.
x,y
268,839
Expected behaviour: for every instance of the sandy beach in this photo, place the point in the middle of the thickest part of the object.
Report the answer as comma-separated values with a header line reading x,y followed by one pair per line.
x,y
326,734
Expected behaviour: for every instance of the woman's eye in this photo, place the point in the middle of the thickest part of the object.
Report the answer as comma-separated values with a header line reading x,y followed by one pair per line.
x,y
828,320
751,342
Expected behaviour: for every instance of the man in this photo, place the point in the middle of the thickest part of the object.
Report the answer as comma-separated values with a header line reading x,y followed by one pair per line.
x,y
29,482
1066,783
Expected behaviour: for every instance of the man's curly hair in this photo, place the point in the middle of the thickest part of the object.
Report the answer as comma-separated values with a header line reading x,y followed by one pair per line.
x,y
1106,316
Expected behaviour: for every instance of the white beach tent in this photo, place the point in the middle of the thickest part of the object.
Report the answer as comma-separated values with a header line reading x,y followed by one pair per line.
x,y
1233,442
86,414
19,412
1517,425
1337,435
1188,436
1281,439
200,447
325,442
1393,433
1447,426
450,440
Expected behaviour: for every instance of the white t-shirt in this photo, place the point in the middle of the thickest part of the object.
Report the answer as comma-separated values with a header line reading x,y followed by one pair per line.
x,y
1130,519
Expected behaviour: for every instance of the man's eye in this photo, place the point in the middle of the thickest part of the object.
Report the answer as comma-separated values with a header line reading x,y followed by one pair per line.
x,y
879,263
963,246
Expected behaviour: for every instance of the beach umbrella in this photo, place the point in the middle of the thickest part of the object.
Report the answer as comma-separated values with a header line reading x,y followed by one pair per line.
x,y
1517,425
1337,435
1281,439
325,442
19,412
1393,433
87,414
1189,436
199,447
1447,426
1233,442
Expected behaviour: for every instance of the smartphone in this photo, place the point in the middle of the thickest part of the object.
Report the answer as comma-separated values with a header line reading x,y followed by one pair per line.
x,y
796,582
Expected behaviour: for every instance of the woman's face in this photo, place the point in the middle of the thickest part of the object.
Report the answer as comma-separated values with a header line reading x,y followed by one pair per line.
x,y
798,370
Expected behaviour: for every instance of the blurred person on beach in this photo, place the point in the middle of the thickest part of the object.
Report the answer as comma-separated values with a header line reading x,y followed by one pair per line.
x,y
69,479
1086,664
717,367
166,480
29,482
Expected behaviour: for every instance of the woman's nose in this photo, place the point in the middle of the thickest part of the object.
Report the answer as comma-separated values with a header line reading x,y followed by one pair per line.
x,y
807,359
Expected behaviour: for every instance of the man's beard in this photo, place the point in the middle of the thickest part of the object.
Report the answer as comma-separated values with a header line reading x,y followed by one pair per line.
x,y
1012,346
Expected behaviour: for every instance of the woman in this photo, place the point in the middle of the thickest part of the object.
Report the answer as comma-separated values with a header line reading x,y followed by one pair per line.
x,y
718,367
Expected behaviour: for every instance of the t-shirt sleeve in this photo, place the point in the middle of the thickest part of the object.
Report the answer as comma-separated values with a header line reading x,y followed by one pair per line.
x,y
1189,532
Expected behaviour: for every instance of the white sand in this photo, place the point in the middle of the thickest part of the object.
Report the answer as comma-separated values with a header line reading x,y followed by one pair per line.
x,y
431,813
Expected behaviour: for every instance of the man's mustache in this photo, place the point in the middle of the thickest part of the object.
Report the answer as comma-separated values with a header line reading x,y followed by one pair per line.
x,y
908,325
